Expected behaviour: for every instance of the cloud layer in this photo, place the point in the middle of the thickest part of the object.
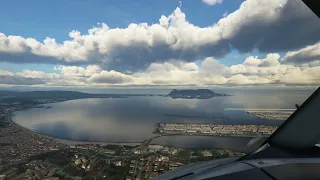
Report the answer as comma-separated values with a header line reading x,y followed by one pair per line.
x,y
253,71
9,78
309,54
268,26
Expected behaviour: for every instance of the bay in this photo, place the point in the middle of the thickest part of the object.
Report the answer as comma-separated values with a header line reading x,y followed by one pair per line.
x,y
135,118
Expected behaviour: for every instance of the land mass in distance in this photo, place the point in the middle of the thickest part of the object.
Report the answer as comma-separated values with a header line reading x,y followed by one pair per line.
x,y
194,94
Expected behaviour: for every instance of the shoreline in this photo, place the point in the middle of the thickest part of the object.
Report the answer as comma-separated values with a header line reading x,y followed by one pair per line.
x,y
259,109
68,141
71,141
76,142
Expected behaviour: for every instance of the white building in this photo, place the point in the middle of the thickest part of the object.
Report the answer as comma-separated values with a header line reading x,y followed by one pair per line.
x,y
206,153
155,147
77,162
117,163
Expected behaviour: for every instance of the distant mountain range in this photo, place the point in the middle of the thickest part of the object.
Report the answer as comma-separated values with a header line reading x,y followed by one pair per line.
x,y
31,95
194,94
54,95
43,94
6,95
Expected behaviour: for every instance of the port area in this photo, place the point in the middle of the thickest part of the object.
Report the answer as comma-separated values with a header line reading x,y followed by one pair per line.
x,y
274,115
215,130
265,113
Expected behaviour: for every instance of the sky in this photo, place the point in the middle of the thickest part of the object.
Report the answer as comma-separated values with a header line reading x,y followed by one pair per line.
x,y
124,43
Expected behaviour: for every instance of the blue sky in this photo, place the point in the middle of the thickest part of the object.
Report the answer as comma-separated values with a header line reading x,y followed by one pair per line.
x,y
56,19
40,19
249,29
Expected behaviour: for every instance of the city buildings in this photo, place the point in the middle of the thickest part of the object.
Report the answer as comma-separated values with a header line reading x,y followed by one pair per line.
x,y
17,144
276,115
211,129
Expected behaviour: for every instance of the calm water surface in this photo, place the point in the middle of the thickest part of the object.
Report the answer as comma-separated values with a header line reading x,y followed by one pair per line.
x,y
134,119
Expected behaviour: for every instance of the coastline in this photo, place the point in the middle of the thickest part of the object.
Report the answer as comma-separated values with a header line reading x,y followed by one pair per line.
x,y
71,141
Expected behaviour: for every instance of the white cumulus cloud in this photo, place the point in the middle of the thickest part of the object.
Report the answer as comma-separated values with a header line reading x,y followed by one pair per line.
x,y
253,71
268,26
110,77
212,2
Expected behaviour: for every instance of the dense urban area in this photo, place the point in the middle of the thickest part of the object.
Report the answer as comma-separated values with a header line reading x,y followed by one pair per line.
x,y
276,115
25,154
92,161
216,130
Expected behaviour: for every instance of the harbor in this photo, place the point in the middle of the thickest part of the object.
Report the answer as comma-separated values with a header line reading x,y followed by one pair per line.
x,y
215,130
